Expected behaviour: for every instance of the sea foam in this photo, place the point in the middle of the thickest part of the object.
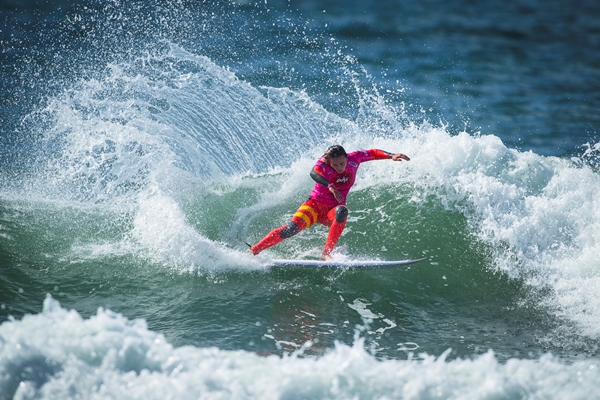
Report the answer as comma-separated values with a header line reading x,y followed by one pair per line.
x,y
59,354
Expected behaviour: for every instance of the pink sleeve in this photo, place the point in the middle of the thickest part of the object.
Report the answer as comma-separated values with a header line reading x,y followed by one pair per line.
x,y
371,154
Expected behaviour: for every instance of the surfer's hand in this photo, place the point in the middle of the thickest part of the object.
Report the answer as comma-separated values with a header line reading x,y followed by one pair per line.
x,y
336,193
400,157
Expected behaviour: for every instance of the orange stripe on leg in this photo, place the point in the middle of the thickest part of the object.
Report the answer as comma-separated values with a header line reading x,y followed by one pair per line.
x,y
313,214
304,217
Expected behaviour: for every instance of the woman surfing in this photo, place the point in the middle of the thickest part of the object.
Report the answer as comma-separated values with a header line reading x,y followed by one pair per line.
x,y
334,174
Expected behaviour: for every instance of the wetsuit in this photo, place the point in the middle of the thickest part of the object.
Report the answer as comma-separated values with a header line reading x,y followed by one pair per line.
x,y
322,206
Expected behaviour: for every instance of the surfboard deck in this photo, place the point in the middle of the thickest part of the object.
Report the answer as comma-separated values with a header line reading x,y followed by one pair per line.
x,y
350,264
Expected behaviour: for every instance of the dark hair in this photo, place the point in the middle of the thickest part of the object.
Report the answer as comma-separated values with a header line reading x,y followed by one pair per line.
x,y
335,151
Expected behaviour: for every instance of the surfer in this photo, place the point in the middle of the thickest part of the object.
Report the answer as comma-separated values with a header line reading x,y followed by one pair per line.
x,y
334,174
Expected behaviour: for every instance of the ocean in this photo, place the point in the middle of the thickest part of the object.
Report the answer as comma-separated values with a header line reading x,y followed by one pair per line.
x,y
142,143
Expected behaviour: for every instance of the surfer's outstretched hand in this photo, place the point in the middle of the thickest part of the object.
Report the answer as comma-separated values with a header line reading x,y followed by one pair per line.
x,y
400,157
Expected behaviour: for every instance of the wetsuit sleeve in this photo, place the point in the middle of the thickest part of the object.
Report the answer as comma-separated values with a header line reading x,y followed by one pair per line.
x,y
369,155
377,154
317,177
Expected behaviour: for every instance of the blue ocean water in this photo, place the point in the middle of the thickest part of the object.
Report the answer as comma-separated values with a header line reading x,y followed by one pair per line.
x,y
142,143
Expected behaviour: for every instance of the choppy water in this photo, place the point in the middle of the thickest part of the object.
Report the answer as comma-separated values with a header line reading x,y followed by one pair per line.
x,y
143,143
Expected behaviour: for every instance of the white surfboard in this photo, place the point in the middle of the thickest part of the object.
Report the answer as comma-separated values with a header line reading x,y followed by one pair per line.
x,y
351,264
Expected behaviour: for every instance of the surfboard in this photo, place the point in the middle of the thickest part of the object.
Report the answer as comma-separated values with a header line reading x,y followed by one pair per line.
x,y
350,264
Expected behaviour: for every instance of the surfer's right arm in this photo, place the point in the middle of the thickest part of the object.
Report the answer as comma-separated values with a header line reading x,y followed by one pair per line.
x,y
317,177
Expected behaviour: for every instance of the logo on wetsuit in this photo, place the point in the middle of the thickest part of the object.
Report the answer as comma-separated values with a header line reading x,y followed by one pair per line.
x,y
342,179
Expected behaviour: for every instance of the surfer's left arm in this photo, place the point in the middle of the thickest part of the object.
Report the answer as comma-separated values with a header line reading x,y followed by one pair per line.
x,y
377,154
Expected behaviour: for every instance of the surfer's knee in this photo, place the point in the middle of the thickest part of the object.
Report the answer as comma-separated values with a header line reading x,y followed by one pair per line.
x,y
341,213
290,230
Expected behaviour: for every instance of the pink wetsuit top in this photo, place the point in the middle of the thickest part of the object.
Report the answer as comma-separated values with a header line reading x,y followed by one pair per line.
x,y
342,181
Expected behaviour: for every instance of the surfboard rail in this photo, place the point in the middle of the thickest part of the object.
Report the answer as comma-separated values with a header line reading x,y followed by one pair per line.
x,y
350,264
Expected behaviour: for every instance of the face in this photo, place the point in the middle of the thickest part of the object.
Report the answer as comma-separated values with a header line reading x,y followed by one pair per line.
x,y
338,163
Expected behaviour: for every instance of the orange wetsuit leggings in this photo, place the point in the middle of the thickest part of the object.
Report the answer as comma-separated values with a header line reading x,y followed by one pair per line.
x,y
308,213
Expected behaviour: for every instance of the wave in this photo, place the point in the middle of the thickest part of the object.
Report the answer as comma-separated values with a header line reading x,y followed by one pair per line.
x,y
194,161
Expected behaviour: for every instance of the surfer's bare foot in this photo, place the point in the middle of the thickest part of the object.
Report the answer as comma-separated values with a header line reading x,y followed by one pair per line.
x,y
326,257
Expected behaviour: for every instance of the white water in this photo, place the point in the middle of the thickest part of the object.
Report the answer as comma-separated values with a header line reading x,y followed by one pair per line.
x,y
58,354
541,213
